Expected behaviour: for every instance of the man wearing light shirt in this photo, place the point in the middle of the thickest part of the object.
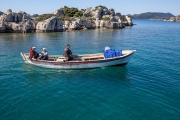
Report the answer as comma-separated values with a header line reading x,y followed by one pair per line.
x,y
44,54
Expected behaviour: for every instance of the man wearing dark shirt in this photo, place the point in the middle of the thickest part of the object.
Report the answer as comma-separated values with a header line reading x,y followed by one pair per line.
x,y
67,53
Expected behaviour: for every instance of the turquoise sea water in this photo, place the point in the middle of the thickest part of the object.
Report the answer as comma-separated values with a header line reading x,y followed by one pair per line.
x,y
148,88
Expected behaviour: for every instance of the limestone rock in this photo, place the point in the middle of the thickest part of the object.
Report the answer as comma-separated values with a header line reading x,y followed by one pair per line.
x,y
74,25
102,23
66,24
172,19
23,15
51,24
98,13
112,25
129,20
118,14
113,19
9,17
59,12
112,12
85,23
2,24
16,17
8,11
89,25
26,16
16,27
27,25
1,13
97,23
178,18
119,19
88,12
106,12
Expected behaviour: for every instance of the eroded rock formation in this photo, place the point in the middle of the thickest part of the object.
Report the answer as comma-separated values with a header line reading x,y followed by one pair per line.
x,y
2,24
50,25
59,12
16,22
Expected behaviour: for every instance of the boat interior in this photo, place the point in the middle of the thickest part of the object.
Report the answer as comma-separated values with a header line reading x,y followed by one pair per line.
x,y
86,57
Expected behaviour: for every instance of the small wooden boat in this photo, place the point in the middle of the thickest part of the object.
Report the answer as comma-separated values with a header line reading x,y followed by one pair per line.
x,y
83,61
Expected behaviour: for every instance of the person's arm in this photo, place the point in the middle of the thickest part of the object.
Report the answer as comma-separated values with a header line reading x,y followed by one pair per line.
x,y
66,54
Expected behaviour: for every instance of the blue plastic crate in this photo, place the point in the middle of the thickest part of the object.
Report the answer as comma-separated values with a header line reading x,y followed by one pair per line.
x,y
112,53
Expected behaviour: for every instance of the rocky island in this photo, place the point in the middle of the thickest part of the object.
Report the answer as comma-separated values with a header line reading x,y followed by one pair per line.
x,y
64,19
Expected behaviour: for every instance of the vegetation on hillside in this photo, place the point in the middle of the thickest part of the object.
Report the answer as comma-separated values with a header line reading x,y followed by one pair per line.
x,y
44,17
64,18
103,7
79,14
69,12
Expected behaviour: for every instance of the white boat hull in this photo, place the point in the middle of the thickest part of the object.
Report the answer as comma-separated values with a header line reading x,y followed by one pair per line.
x,y
88,64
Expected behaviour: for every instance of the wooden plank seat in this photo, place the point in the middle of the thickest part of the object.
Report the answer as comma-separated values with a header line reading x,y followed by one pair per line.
x,y
92,58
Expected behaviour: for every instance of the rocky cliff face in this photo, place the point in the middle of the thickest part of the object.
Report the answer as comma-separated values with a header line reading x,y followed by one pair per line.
x,y
100,17
2,24
16,22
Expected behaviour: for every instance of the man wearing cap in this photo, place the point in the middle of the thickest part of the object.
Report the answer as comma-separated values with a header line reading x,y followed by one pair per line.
x,y
67,53
33,53
44,54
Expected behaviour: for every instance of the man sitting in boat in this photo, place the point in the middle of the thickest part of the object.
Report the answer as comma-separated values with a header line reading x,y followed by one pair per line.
x,y
68,53
44,54
33,53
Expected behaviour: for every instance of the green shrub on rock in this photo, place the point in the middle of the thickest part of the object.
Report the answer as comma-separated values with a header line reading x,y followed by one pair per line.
x,y
79,14
103,7
106,19
66,18
61,17
44,17
70,11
